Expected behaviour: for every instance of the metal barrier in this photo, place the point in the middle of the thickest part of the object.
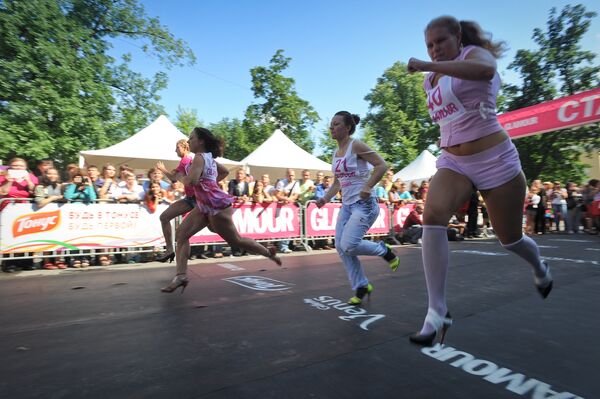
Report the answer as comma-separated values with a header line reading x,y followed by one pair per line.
x,y
75,229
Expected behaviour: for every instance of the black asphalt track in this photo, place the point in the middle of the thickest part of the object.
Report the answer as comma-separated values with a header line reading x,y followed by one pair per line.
x,y
110,333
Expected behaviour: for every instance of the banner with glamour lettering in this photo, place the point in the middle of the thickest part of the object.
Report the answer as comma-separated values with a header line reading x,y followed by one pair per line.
x,y
321,222
261,222
400,214
25,228
578,109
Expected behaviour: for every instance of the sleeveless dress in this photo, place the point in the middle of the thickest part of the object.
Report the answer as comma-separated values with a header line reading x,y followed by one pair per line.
x,y
210,199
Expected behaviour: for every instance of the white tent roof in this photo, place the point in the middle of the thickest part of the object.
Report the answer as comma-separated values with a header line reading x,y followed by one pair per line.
x,y
279,153
421,168
141,151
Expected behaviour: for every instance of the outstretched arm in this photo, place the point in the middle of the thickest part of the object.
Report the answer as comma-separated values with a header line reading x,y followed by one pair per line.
x,y
479,64
172,175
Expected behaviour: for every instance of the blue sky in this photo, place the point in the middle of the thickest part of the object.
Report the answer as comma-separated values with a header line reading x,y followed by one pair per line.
x,y
338,48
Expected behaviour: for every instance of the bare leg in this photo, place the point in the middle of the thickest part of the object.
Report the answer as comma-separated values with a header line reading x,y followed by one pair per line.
x,y
192,224
505,207
174,210
223,226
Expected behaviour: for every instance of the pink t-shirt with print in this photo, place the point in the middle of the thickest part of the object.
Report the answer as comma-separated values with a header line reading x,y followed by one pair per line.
x,y
183,167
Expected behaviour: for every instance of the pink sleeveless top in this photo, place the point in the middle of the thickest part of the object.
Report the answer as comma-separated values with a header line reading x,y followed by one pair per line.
x,y
464,109
209,196
182,168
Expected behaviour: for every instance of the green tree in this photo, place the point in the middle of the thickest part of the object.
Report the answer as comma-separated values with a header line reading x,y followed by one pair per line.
x,y
60,90
398,121
326,144
186,120
559,67
235,137
281,107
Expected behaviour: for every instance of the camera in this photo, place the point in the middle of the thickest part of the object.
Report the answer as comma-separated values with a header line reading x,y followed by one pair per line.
x,y
17,174
78,180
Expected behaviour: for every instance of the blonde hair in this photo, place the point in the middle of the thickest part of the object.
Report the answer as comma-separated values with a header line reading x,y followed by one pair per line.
x,y
184,144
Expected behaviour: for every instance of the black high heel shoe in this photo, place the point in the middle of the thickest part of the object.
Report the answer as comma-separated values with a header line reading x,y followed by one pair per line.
x,y
544,284
441,325
166,257
179,280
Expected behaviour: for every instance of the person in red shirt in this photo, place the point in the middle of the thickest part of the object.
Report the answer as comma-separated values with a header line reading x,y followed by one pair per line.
x,y
17,183
413,225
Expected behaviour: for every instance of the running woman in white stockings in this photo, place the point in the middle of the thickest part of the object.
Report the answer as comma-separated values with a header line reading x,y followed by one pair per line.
x,y
461,88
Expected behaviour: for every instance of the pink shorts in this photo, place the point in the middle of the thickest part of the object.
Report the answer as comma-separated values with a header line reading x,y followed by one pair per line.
x,y
486,169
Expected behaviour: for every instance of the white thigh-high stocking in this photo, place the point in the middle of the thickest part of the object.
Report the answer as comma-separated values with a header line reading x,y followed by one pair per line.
x,y
527,249
435,264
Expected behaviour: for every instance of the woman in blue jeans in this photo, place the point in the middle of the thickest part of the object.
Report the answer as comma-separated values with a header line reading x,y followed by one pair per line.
x,y
357,169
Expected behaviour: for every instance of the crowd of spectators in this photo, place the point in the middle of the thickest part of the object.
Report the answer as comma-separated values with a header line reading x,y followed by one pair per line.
x,y
552,207
45,185
549,207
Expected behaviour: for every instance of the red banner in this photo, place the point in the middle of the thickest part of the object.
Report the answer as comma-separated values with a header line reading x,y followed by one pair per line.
x,y
259,222
321,222
400,215
571,111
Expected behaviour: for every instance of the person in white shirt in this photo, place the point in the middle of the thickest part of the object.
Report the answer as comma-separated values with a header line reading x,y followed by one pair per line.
x,y
269,188
132,192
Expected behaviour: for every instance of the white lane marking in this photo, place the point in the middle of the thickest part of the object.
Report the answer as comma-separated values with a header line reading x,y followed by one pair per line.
x,y
569,240
466,251
547,246
553,258
592,249
593,262
229,266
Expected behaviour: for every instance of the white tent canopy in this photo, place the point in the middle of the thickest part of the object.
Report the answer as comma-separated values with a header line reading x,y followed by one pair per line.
x,y
141,151
421,168
279,153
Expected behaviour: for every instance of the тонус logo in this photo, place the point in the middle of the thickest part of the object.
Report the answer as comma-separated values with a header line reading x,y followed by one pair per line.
x,y
259,283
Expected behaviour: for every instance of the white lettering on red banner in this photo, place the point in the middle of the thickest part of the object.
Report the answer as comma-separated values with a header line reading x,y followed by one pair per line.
x,y
400,215
273,221
321,222
571,111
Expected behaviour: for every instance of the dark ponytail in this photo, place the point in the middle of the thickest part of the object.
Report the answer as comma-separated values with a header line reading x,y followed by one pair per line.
x,y
471,34
212,143
351,120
